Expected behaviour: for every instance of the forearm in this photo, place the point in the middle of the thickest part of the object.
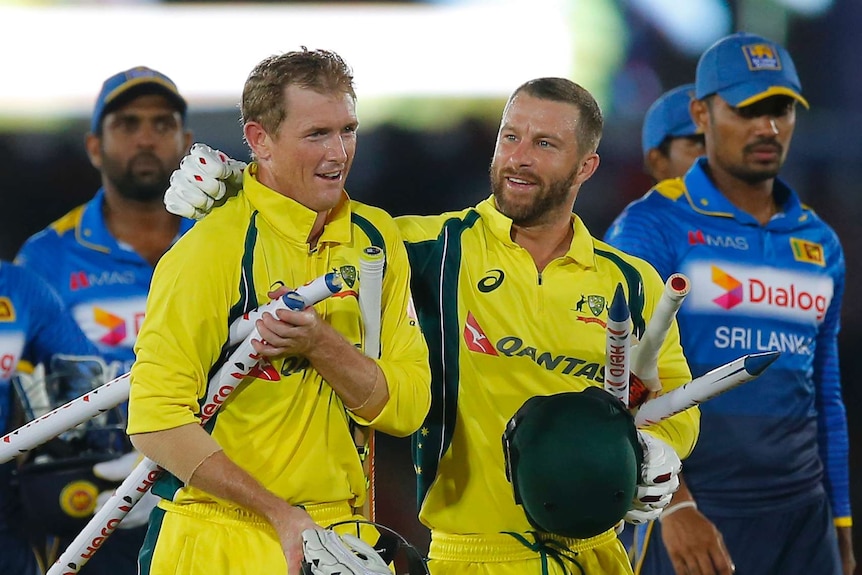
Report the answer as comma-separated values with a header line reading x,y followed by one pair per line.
x,y
357,379
195,458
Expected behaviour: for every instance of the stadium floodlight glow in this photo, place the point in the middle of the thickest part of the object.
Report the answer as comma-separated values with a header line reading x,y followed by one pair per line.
x,y
692,25
472,50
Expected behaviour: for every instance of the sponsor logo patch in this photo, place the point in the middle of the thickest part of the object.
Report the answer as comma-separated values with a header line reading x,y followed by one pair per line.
x,y
475,338
761,57
808,252
78,499
7,310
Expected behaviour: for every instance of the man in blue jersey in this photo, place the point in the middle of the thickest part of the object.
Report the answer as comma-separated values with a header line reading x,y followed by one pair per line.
x,y
34,326
100,256
670,143
669,139
766,488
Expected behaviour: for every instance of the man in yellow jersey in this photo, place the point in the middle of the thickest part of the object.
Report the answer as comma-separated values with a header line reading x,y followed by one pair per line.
x,y
527,290
513,299
278,457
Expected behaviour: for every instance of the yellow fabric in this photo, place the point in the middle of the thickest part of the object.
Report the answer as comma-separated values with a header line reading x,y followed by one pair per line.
x,y
545,340
502,554
291,434
208,539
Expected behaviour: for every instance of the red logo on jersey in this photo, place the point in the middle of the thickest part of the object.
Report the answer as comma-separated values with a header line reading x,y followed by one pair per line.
x,y
475,338
265,371
78,280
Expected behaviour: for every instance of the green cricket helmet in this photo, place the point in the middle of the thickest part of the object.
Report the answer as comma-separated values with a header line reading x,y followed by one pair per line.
x,y
574,461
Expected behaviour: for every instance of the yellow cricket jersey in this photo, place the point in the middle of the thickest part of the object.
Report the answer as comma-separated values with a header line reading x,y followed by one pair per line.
x,y
500,332
285,426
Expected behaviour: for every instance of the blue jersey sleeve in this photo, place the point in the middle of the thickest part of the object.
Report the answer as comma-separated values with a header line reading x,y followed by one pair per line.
x,y
643,229
831,417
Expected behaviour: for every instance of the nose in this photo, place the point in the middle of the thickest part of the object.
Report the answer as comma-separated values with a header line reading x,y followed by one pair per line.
x,y
336,149
519,153
766,125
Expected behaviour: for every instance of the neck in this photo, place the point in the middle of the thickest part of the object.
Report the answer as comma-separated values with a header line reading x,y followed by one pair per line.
x,y
546,241
756,199
146,226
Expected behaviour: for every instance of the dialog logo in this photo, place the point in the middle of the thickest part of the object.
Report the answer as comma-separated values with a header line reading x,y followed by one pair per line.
x,y
731,286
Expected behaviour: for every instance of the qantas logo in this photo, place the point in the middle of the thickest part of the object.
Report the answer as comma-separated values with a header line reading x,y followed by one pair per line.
x,y
84,280
513,346
697,237
475,337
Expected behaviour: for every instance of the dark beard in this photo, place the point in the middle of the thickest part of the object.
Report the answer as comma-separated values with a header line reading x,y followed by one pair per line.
x,y
550,198
134,183
757,175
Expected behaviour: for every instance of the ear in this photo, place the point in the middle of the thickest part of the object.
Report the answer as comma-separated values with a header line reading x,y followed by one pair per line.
x,y
699,111
656,164
589,165
93,145
258,140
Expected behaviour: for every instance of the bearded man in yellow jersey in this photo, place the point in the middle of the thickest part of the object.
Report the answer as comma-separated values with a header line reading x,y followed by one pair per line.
x,y
513,297
279,456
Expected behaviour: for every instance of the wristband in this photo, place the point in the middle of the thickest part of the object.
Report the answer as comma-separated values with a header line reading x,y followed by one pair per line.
x,y
676,507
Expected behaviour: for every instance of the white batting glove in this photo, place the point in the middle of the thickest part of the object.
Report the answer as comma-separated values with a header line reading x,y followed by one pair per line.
x,y
117,470
205,176
659,479
327,553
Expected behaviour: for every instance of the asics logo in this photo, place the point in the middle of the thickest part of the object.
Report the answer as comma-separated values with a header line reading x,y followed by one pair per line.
x,y
491,281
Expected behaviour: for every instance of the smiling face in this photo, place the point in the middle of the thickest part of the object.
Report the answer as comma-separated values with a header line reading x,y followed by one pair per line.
x,y
309,156
538,165
748,143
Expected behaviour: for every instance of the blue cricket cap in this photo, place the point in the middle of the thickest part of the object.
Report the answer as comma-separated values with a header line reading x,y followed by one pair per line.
x,y
125,86
745,68
668,117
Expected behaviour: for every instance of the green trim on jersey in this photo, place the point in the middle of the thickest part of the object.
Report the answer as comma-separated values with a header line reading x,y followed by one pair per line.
x,y
635,285
440,284
370,230
145,558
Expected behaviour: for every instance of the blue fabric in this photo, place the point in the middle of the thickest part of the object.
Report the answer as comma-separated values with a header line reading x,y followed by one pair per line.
x,y
668,116
794,542
103,283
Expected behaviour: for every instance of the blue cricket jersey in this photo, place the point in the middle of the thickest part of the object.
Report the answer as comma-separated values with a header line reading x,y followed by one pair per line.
x,y
103,283
34,326
778,440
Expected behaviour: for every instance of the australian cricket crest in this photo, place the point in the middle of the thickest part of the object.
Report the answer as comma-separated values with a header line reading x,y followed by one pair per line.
x,y
596,304
348,274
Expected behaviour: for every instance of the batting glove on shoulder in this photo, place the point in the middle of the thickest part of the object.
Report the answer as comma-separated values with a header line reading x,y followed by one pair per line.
x,y
328,553
205,176
659,479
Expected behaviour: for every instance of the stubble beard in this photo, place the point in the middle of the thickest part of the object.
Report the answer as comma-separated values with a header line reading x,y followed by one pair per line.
x,y
545,203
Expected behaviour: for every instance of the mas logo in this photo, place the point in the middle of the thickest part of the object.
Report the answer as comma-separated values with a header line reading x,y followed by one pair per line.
x,y
808,252
761,57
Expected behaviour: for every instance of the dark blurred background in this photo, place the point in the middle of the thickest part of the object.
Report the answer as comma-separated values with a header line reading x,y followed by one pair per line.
x,y
407,166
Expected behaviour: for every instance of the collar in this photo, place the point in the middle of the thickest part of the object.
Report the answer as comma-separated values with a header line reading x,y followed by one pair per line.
x,y
292,220
581,250
705,198
92,231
